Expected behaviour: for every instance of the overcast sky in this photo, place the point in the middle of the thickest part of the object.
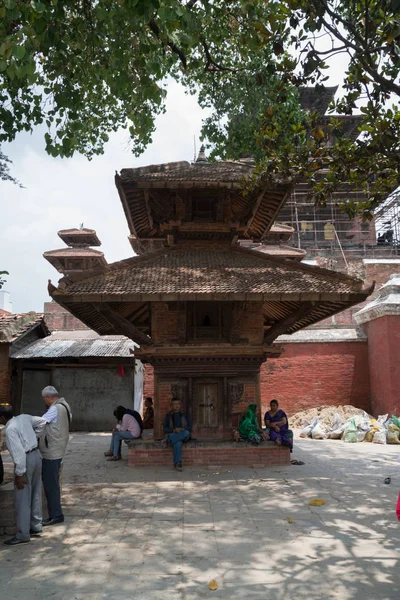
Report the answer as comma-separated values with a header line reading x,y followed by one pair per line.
x,y
62,193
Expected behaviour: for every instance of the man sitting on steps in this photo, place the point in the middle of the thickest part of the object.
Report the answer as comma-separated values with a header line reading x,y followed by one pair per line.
x,y
178,428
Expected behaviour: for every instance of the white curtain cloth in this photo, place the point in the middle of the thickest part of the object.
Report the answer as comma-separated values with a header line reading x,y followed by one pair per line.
x,y
139,375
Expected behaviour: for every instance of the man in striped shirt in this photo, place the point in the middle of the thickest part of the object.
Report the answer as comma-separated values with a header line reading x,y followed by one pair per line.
x,y
21,441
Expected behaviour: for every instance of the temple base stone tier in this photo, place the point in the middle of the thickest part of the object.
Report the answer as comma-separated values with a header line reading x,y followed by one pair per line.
x,y
149,453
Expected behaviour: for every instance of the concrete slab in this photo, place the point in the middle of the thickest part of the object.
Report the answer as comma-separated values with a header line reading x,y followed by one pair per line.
x,y
152,534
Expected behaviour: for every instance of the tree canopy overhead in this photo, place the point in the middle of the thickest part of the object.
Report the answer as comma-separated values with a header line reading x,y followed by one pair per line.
x,y
85,69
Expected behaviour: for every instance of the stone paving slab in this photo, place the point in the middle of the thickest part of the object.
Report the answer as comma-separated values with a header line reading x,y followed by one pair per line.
x,y
153,534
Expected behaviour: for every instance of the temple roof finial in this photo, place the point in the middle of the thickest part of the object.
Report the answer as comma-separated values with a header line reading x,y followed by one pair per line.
x,y
202,155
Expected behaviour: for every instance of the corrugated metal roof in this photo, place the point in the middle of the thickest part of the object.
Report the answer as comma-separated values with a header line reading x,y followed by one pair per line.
x,y
56,347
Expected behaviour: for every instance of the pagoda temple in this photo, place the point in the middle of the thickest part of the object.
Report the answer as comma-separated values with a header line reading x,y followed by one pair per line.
x,y
79,256
202,302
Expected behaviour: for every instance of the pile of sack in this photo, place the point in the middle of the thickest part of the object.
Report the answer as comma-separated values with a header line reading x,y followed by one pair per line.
x,y
360,428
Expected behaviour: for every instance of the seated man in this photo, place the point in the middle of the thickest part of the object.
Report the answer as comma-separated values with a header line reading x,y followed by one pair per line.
x,y
148,417
177,427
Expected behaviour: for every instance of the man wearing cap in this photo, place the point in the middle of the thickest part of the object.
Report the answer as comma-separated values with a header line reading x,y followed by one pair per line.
x,y
53,444
21,441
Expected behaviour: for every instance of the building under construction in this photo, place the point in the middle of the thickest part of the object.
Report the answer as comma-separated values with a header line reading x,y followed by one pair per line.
x,y
328,231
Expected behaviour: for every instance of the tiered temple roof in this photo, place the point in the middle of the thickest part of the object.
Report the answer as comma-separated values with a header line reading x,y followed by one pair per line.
x,y
187,222
79,256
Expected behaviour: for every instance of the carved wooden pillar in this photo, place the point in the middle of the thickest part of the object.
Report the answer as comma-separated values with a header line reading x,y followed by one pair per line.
x,y
182,322
237,318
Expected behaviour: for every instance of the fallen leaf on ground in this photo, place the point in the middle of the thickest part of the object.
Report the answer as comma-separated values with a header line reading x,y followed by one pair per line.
x,y
213,585
317,502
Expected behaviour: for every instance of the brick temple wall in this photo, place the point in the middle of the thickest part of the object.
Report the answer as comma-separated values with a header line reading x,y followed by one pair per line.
x,y
305,376
384,347
314,374
219,455
148,381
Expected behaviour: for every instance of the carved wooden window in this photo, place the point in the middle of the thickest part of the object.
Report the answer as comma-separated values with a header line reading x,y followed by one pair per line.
x,y
74,264
204,209
209,321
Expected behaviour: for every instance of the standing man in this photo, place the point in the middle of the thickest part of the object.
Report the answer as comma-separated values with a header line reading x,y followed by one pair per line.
x,y
53,444
22,444
178,428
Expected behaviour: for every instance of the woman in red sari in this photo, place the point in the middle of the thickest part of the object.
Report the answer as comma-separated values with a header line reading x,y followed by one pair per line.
x,y
277,422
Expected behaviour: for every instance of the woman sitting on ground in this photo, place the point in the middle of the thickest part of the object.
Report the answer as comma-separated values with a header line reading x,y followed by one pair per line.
x,y
277,422
249,427
127,429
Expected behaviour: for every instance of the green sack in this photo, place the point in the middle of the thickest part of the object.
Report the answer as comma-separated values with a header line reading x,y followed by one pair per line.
x,y
396,421
350,433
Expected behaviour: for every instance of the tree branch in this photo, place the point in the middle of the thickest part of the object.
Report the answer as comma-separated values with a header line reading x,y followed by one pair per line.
x,y
156,30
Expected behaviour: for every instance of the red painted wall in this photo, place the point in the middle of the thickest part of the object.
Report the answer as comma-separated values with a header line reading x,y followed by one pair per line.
x,y
315,374
384,352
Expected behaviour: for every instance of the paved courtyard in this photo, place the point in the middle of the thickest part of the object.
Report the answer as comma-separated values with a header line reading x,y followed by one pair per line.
x,y
157,534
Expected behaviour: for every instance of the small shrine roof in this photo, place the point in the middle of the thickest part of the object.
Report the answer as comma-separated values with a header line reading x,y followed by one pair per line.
x,y
73,253
279,250
208,274
87,237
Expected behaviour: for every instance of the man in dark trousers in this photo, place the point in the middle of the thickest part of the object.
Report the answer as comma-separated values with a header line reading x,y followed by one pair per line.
x,y
178,428
53,445
21,441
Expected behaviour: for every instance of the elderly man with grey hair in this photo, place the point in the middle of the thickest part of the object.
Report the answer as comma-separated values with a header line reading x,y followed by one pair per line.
x,y
53,444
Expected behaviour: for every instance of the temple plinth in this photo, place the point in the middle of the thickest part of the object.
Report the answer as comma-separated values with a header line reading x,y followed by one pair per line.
x,y
204,308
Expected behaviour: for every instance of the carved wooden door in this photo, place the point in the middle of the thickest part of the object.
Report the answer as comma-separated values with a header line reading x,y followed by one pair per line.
x,y
206,404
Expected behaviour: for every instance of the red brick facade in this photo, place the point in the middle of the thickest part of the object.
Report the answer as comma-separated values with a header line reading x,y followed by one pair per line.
x,y
384,348
314,374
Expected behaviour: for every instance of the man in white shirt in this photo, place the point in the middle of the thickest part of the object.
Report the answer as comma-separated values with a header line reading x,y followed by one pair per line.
x,y
21,441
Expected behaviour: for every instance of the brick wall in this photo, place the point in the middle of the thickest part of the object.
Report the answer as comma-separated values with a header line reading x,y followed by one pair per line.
x,y
305,376
384,345
5,374
148,381
59,319
253,323
315,374
163,322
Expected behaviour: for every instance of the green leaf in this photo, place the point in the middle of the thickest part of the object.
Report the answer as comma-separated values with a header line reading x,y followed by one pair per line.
x,y
38,6
18,51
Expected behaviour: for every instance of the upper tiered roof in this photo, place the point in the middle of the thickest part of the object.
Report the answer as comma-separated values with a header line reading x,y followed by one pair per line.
x,y
201,200
79,237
